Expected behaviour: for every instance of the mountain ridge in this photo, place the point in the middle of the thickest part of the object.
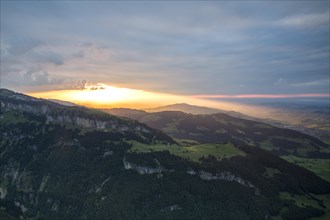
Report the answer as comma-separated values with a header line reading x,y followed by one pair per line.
x,y
164,120
296,116
78,115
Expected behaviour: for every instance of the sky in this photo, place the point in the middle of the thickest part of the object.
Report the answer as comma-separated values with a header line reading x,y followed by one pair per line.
x,y
203,49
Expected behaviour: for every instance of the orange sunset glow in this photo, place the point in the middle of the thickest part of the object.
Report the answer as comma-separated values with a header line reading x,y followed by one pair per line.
x,y
106,96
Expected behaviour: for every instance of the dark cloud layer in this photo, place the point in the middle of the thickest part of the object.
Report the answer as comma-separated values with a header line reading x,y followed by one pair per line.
x,y
177,47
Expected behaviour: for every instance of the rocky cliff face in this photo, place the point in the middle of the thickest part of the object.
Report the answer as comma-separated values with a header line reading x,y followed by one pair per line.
x,y
76,115
227,176
83,122
42,109
142,169
204,175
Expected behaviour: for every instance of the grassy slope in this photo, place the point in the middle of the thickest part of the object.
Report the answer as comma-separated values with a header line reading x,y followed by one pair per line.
x,y
193,152
321,167
326,203
304,201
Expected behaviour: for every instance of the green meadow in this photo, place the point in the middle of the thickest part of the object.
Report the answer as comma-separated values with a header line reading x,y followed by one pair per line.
x,y
316,201
320,167
191,152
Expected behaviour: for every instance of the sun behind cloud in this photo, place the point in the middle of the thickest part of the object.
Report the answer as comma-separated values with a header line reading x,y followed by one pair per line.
x,y
106,96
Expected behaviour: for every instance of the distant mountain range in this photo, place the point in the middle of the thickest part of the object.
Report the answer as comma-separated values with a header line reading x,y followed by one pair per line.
x,y
183,107
312,119
220,127
71,162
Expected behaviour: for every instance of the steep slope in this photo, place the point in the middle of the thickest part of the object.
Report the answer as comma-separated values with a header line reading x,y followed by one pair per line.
x,y
78,116
65,169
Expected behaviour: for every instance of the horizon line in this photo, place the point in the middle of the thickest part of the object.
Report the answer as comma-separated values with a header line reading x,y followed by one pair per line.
x,y
260,96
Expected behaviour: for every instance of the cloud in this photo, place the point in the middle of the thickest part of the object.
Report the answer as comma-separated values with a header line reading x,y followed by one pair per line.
x,y
28,63
34,76
47,56
18,46
29,52
86,44
281,82
305,20
177,47
322,82
79,85
79,54
84,85
4,49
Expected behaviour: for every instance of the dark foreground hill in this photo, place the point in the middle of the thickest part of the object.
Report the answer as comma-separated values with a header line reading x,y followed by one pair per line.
x,y
60,162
